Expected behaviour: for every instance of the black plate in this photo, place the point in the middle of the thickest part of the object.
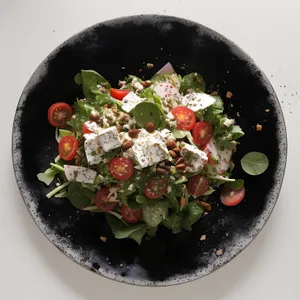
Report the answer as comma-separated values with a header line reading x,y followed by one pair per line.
x,y
117,48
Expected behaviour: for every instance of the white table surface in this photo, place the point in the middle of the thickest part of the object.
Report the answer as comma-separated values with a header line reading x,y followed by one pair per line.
x,y
31,268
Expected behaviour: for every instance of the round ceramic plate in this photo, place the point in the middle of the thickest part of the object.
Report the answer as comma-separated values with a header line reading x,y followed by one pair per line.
x,y
115,49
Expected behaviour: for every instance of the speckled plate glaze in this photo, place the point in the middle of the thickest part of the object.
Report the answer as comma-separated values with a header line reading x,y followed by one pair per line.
x,y
123,46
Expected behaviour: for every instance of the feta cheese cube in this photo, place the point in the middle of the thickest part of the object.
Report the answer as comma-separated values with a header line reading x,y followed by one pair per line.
x,y
197,101
136,85
93,126
228,122
167,134
171,121
93,149
79,174
109,139
130,101
141,152
194,158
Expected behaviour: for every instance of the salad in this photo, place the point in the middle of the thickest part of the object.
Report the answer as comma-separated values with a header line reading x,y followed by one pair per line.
x,y
146,154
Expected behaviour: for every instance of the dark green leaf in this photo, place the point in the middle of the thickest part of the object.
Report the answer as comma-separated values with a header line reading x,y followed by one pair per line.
x,y
79,196
235,185
193,82
255,163
151,231
155,211
173,222
191,215
146,112
78,78
140,199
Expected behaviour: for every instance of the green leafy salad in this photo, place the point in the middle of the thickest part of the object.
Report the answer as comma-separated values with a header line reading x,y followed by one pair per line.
x,y
146,154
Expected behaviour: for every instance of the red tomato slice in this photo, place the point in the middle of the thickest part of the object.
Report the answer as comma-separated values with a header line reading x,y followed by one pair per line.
x,y
202,133
211,159
102,201
155,187
197,186
185,117
119,94
68,147
85,129
131,215
230,197
59,113
121,168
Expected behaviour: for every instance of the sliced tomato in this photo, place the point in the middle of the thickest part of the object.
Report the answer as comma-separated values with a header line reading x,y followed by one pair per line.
x,y
59,113
185,117
197,186
211,160
85,129
155,187
102,201
121,168
68,147
202,133
119,94
230,197
131,215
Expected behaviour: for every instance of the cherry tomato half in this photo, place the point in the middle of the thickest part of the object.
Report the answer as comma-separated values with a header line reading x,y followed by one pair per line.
x,y
230,197
131,215
185,117
202,133
59,113
119,94
102,201
197,186
155,187
85,129
121,168
68,147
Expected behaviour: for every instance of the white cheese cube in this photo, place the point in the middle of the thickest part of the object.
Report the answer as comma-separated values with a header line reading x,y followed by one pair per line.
x,y
194,158
130,101
93,149
158,150
141,152
197,101
167,134
109,139
79,174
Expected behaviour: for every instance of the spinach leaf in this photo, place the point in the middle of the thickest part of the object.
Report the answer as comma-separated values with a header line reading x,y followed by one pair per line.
x,y
191,215
149,94
140,199
146,112
79,196
255,163
235,185
194,82
121,230
173,222
155,211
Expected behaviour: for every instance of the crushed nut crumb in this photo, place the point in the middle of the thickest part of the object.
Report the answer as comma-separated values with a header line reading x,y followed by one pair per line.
x,y
149,65
267,110
103,238
219,252
121,265
203,237
258,127
229,95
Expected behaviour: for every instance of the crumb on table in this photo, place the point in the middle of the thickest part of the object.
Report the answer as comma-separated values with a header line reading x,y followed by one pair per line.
x,y
103,238
150,66
258,127
229,95
219,252
203,237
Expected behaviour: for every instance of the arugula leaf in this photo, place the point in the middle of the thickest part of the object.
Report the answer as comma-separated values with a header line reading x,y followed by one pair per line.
x,y
48,176
122,230
194,82
191,215
79,196
155,211
255,163
235,185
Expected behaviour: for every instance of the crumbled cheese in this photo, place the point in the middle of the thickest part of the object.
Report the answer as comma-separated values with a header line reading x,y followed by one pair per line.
x,y
130,187
170,121
197,101
203,237
128,153
79,174
228,122
219,252
194,158
109,139
108,116
130,101
167,135
93,149
137,85
93,126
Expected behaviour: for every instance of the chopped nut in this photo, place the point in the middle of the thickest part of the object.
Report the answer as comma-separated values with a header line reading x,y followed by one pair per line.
x,y
127,144
149,65
180,166
95,117
172,153
219,252
267,110
150,127
162,164
167,168
133,133
102,89
77,160
258,127
179,160
229,95
176,150
119,127
182,201
203,237
146,83
161,170
121,83
206,205
171,144
103,238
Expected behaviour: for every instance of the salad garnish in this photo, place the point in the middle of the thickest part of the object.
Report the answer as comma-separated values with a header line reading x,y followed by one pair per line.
x,y
147,154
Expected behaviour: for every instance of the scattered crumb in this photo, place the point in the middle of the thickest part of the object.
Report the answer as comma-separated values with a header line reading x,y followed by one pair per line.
x,y
229,95
238,114
220,252
226,234
267,110
103,238
203,237
215,93
161,48
258,127
206,205
140,70
123,68
121,265
205,213
150,66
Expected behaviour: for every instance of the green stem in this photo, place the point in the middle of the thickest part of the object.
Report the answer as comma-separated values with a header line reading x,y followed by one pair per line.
x,y
58,167
56,190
